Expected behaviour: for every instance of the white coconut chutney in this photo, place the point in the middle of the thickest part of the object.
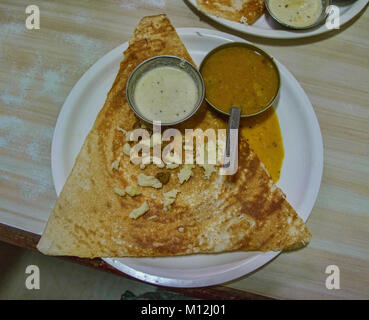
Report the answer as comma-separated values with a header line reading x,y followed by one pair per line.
x,y
165,94
297,13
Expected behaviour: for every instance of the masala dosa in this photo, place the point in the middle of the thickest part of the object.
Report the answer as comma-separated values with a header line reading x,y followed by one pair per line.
x,y
243,11
241,212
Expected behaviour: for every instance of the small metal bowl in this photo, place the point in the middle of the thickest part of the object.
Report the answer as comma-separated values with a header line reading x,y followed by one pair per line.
x,y
253,48
320,20
164,61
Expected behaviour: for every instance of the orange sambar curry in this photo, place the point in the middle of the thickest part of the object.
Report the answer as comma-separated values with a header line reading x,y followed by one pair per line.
x,y
241,77
264,136
238,76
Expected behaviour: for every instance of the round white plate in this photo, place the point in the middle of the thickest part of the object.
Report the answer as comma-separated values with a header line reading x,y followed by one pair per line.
x,y
266,27
300,177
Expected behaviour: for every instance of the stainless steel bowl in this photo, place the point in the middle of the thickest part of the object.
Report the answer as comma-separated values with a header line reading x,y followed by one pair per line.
x,y
320,20
253,48
164,61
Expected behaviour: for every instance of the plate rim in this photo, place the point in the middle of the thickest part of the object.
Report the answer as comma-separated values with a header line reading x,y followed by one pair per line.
x,y
355,9
227,275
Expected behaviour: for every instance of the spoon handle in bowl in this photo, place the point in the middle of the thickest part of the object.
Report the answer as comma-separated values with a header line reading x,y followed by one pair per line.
x,y
230,163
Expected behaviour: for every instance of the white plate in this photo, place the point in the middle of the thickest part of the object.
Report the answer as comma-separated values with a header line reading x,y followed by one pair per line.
x,y
300,177
266,27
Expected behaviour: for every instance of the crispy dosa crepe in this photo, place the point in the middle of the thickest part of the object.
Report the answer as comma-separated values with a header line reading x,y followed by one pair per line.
x,y
243,11
224,213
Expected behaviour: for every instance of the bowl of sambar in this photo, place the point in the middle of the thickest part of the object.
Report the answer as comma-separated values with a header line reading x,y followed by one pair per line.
x,y
240,74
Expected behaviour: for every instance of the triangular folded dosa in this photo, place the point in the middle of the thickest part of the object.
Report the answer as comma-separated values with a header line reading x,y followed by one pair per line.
x,y
224,213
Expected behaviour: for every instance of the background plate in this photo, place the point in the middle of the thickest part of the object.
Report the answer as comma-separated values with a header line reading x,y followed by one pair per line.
x,y
300,177
266,27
